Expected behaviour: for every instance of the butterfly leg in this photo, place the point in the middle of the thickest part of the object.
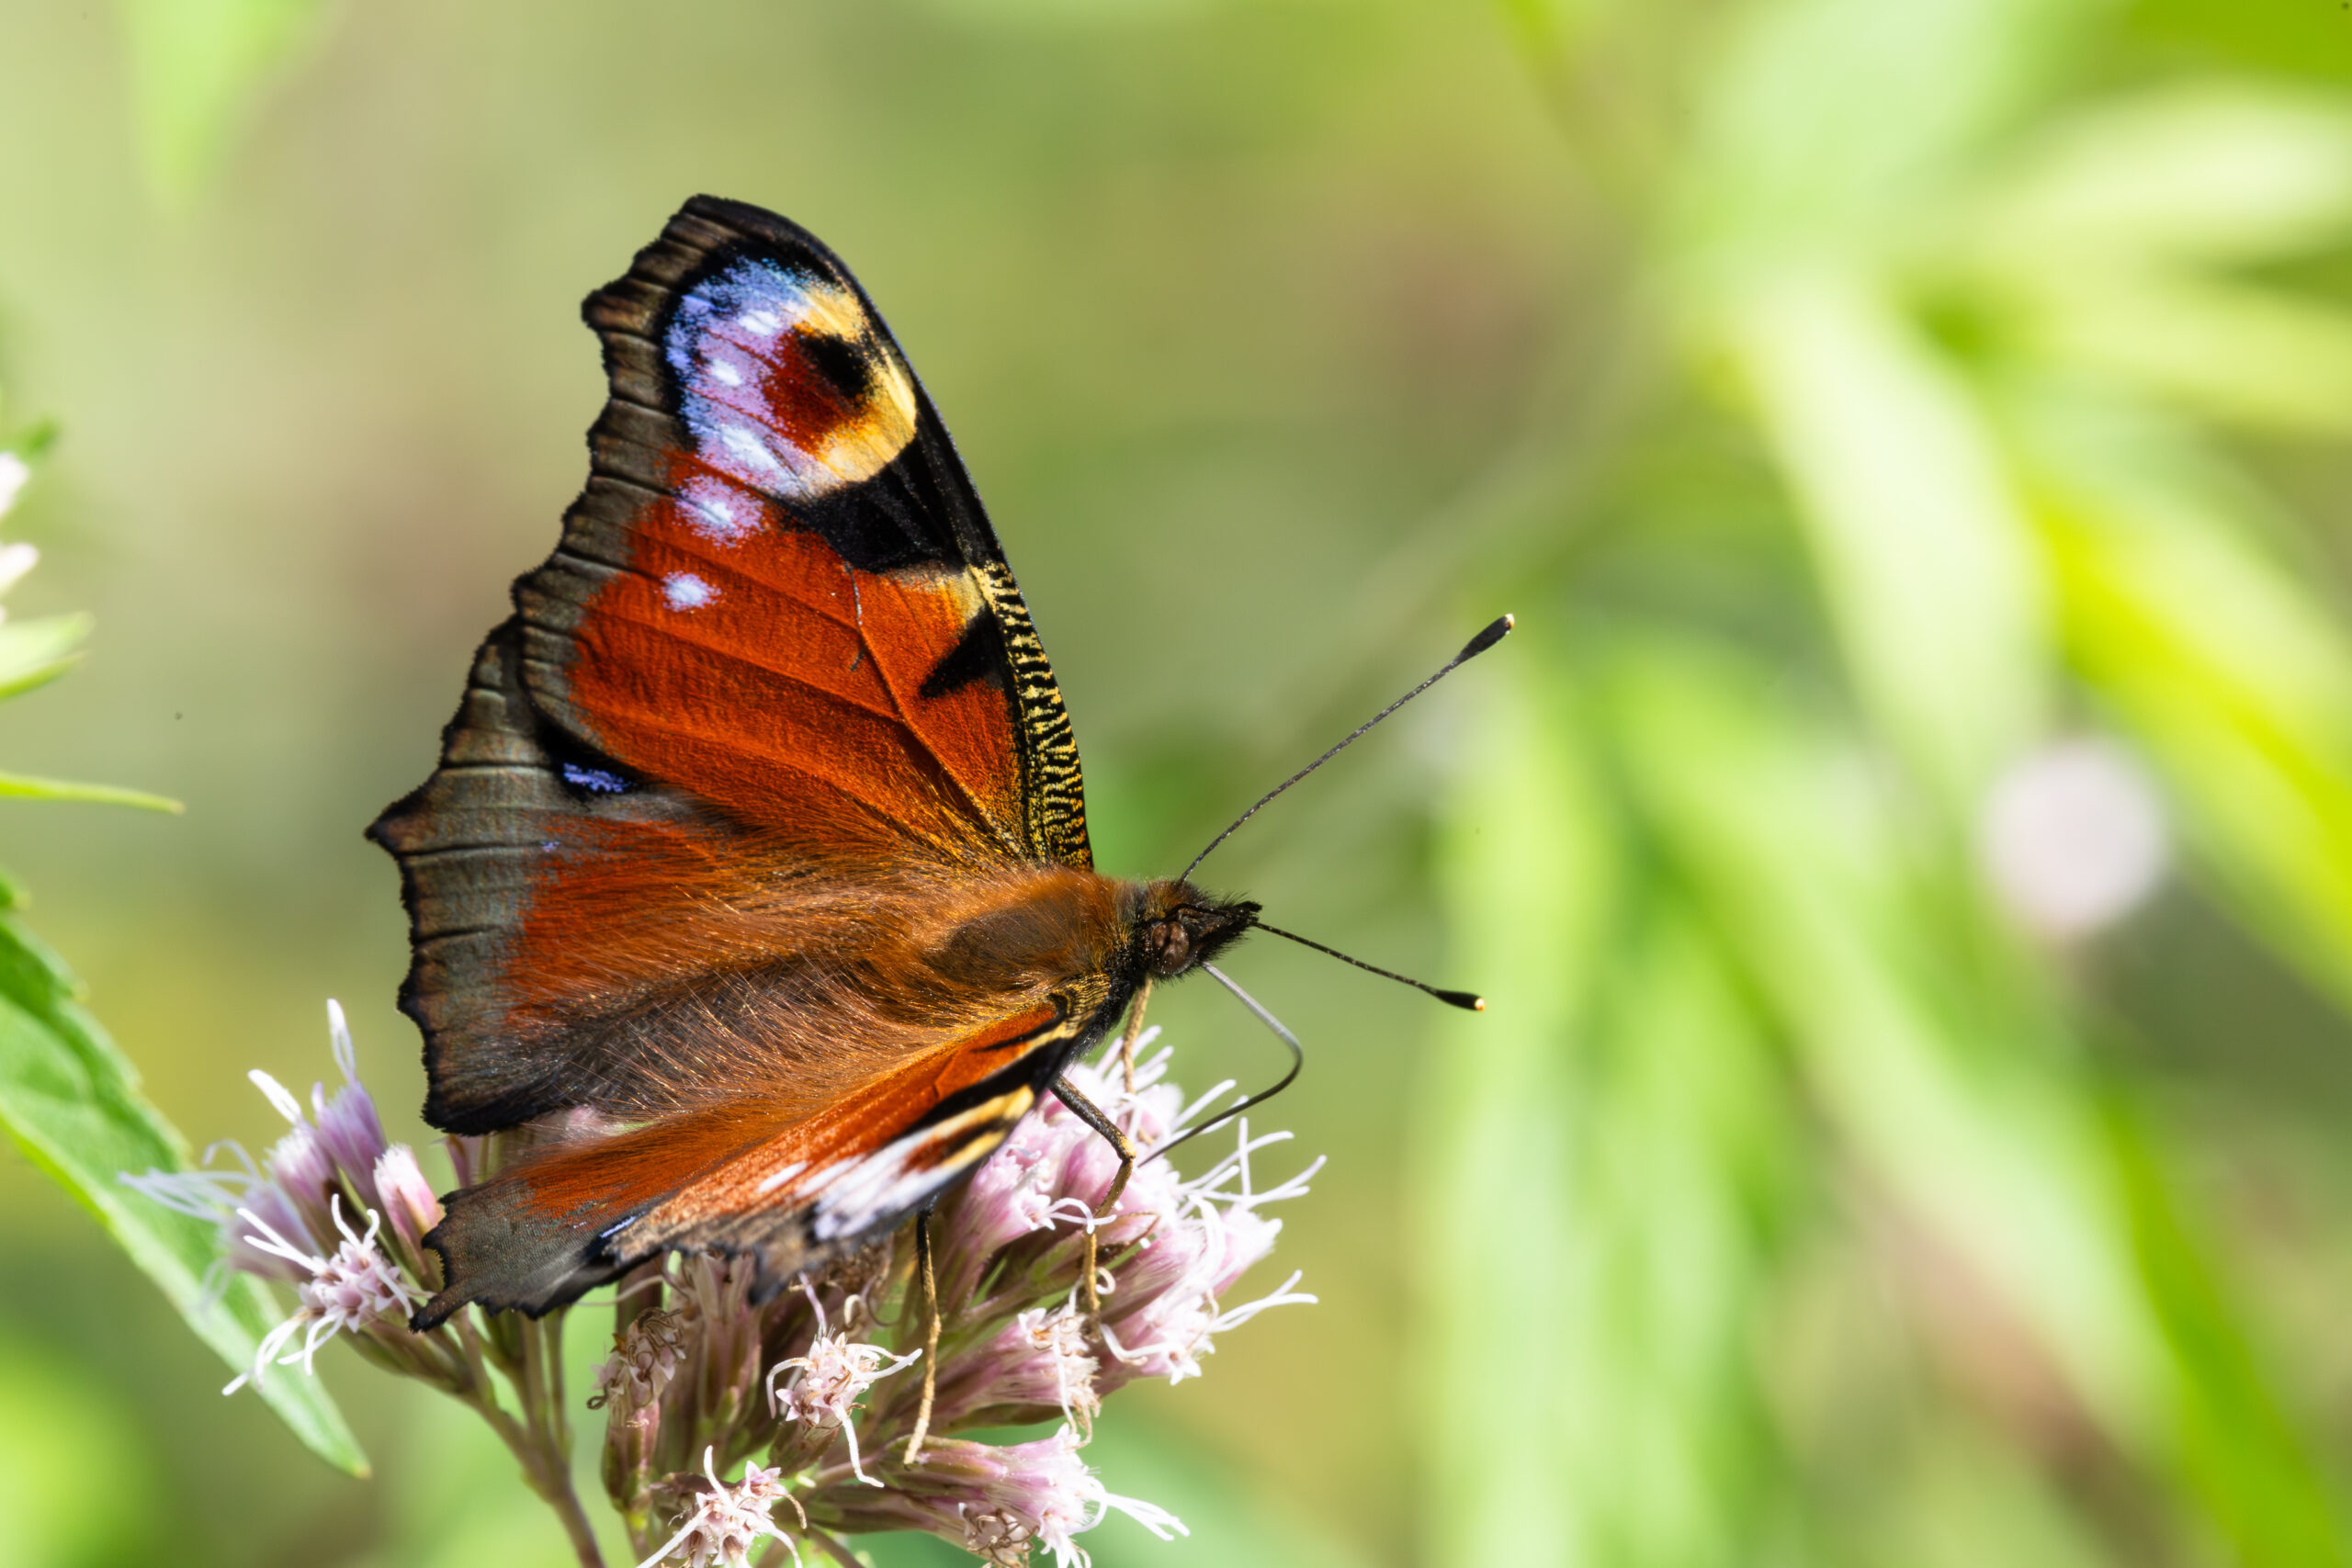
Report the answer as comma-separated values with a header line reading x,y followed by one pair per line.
x,y
930,1335
1091,1114
1133,1030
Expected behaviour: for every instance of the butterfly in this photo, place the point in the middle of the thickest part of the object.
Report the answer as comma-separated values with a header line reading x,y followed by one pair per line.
x,y
754,877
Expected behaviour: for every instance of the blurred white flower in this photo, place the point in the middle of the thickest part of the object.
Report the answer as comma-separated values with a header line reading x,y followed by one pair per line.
x,y
19,558
2073,837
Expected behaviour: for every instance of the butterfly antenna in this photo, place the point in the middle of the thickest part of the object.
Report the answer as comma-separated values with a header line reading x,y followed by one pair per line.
x,y
1495,632
1297,1060
1469,1001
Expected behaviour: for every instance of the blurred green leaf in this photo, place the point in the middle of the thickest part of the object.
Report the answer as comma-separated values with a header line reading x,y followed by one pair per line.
x,y
1677,1197
2194,175
76,1484
2259,357
35,652
1826,126
196,67
28,786
2256,1473
1926,1076
2215,655
1925,555
1527,885
71,1102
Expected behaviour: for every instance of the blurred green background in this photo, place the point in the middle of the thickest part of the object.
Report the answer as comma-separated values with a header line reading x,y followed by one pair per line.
x,y
1907,848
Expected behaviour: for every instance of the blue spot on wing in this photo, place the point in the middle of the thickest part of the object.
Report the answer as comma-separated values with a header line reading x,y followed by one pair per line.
x,y
595,781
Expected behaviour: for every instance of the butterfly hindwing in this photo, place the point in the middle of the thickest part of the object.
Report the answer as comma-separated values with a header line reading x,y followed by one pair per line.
x,y
740,1181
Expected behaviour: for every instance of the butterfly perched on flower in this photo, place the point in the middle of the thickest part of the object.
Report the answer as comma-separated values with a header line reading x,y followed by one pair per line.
x,y
754,877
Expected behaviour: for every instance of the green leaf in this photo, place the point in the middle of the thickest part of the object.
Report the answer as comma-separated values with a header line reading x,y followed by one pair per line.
x,y
196,68
71,1101
2254,356
1678,1192
35,652
35,788
1826,125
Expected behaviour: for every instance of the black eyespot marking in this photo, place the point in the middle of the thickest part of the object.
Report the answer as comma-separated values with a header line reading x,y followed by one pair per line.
x,y
846,365
978,655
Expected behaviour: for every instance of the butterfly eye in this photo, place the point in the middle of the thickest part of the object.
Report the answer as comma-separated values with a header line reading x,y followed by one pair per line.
x,y
1169,945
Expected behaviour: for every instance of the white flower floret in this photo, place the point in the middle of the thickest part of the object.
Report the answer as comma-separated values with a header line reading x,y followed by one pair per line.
x,y
355,1288
1059,1339
826,1381
1061,1497
1209,1233
726,1521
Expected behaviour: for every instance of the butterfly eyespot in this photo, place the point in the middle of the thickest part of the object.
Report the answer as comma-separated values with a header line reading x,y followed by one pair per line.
x,y
843,362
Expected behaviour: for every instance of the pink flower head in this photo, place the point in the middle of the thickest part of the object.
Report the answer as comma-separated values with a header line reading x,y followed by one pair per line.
x,y
1041,1358
348,1128
1206,1234
994,1499
409,1199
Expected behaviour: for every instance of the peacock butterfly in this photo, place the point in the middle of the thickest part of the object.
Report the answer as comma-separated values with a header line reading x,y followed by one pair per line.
x,y
756,864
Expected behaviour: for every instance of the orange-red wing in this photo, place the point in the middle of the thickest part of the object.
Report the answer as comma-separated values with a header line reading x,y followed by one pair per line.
x,y
776,655
742,1180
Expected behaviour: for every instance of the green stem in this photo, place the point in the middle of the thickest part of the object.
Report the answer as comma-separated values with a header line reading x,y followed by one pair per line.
x,y
535,1440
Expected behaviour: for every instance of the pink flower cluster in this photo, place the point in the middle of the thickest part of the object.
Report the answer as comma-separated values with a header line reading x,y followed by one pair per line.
x,y
294,1217
814,1392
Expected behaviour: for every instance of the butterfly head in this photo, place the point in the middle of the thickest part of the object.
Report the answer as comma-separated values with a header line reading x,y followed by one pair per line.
x,y
1178,926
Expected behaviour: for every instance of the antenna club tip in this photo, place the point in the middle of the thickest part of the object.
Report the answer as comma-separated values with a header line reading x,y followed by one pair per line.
x,y
1495,631
1468,1001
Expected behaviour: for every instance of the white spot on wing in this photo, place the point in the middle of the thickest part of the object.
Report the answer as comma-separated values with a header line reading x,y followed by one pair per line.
x,y
855,1196
743,445
719,511
726,374
778,1177
685,591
